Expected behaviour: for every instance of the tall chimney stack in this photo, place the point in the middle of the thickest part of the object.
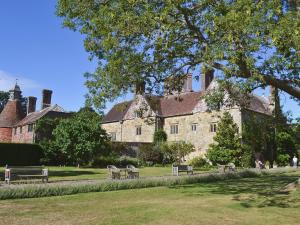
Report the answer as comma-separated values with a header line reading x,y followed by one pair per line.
x,y
188,83
31,104
47,95
207,78
140,87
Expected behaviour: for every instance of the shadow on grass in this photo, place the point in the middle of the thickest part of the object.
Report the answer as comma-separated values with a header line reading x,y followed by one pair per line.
x,y
71,173
265,191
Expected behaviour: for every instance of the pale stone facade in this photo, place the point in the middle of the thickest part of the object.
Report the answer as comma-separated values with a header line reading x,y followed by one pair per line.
x,y
184,118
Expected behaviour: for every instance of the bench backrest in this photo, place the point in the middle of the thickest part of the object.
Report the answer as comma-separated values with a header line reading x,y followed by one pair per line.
x,y
28,170
183,167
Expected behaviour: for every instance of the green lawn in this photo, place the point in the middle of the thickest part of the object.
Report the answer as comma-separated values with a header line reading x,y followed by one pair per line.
x,y
73,173
244,201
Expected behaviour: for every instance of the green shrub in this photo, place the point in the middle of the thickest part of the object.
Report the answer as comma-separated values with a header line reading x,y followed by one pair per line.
x,y
104,161
283,160
20,154
199,162
160,136
150,153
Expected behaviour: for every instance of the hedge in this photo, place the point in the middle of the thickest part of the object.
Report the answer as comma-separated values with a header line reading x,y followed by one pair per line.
x,y
20,154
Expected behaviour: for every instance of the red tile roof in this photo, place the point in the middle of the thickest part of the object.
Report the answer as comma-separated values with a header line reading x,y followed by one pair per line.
x,y
11,114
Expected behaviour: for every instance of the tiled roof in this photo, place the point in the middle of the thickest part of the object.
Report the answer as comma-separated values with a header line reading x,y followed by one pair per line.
x,y
181,104
177,105
117,112
259,104
11,114
33,117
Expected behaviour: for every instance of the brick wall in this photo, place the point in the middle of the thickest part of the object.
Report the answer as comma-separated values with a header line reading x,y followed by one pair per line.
x,y
5,134
24,137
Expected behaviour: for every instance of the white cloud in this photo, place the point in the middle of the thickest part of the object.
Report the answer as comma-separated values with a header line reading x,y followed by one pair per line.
x,y
7,81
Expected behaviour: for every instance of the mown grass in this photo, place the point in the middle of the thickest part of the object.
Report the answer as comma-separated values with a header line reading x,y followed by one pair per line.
x,y
254,200
59,189
74,173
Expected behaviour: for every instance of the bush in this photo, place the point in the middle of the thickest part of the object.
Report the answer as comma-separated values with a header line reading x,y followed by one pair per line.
x,y
20,154
160,136
199,162
175,152
283,160
150,153
104,161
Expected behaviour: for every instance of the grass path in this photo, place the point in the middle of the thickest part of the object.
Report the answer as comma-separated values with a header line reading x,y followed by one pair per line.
x,y
243,201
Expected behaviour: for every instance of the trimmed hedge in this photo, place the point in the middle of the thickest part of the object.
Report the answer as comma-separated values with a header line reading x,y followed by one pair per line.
x,y
13,154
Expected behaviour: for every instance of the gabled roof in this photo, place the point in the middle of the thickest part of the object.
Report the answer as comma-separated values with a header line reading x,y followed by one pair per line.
x,y
11,114
34,116
181,104
117,113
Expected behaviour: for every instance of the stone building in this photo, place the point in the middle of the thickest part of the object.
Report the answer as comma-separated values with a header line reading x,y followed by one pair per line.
x,y
183,116
19,127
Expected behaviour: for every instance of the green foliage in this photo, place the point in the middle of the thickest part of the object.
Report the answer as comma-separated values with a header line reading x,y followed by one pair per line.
x,y
227,147
104,161
150,153
258,137
80,138
283,160
44,137
176,151
159,136
248,42
20,154
4,96
199,162
285,144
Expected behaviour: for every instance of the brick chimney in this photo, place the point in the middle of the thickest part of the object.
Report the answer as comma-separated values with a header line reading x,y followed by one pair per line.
x,y
207,78
140,87
31,104
47,95
188,83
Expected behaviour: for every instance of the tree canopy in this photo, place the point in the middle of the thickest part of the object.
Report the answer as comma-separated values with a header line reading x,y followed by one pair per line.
x,y
252,43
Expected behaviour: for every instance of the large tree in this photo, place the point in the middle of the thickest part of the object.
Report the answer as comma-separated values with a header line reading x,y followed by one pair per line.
x,y
4,96
250,42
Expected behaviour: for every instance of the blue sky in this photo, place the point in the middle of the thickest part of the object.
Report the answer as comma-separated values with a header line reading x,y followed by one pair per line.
x,y
35,49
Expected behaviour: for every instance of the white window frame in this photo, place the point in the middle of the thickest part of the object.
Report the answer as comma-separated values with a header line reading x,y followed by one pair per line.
x,y
194,127
174,129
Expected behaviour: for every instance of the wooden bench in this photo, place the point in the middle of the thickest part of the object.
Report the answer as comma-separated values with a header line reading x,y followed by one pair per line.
x,y
25,172
132,172
113,172
229,167
176,169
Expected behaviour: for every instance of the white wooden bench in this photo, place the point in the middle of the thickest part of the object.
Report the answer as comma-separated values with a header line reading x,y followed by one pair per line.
x,y
176,169
25,173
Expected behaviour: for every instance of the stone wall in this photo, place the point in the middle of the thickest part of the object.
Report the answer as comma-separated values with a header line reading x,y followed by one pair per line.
x,y
201,138
126,130
5,134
